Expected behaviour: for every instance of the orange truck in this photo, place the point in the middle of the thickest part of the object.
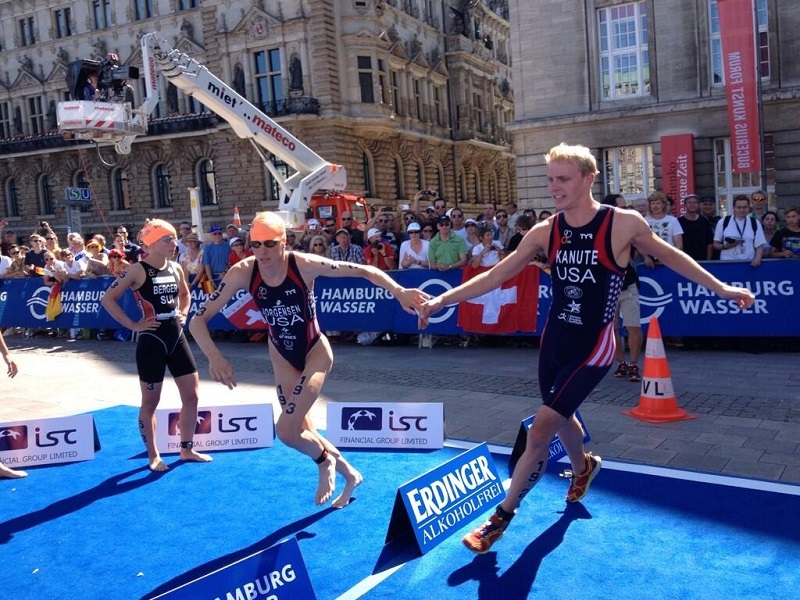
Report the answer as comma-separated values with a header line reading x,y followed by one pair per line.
x,y
324,206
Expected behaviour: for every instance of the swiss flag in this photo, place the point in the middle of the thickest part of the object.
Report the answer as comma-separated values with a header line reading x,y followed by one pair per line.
x,y
509,309
244,314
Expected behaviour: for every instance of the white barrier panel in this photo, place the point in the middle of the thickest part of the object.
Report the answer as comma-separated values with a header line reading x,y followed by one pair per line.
x,y
386,424
47,441
229,427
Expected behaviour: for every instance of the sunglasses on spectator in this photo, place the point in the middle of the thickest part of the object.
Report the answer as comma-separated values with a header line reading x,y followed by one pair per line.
x,y
428,230
317,244
347,218
381,221
13,252
269,244
502,216
49,259
415,231
410,218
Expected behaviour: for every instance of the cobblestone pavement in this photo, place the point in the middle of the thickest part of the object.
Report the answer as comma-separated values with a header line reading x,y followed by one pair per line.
x,y
747,406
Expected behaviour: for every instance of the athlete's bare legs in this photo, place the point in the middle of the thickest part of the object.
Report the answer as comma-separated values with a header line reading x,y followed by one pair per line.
x,y
297,393
187,387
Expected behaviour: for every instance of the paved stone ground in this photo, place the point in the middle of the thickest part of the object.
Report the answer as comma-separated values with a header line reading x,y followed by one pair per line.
x,y
747,405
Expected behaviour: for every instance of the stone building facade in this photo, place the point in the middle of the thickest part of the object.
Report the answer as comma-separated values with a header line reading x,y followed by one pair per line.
x,y
406,94
619,76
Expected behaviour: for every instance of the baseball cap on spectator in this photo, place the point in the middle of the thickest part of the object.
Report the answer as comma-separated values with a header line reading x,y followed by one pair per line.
x,y
705,199
232,226
413,226
470,222
215,229
93,244
235,240
342,230
190,237
314,223
443,219
430,209
373,232
687,196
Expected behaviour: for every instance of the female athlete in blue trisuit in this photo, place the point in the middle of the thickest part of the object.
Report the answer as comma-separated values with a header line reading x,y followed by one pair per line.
x,y
282,285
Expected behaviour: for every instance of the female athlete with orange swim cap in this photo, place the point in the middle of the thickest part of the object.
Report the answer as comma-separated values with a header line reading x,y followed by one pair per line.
x,y
281,283
159,286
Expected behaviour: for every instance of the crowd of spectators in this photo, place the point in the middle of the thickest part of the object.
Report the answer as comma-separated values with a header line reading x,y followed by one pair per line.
x,y
426,234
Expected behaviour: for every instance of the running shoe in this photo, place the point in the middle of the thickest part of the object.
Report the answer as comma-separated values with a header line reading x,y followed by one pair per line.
x,y
580,484
633,373
480,540
622,371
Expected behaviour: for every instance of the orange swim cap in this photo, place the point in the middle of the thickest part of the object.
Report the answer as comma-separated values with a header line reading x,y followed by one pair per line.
x,y
155,230
267,226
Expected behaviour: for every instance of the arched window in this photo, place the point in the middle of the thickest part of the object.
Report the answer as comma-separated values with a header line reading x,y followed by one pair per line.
x,y
366,167
80,180
12,198
440,180
476,180
399,187
119,190
273,188
162,196
46,206
207,182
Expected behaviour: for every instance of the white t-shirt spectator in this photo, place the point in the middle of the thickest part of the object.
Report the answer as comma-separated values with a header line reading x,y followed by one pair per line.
x,y
5,263
667,227
740,230
492,257
407,250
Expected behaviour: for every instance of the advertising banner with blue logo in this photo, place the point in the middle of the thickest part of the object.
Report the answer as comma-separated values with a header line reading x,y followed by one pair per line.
x,y
343,304
277,573
48,441
386,425
441,501
225,427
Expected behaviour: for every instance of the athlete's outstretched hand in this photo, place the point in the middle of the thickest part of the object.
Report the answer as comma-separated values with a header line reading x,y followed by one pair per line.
x,y
221,370
412,299
431,307
742,296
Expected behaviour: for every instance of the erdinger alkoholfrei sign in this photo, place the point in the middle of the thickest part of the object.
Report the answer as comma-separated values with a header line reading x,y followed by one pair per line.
x,y
436,504
231,427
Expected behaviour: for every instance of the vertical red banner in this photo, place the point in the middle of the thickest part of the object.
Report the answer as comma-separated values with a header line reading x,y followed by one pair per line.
x,y
677,168
739,61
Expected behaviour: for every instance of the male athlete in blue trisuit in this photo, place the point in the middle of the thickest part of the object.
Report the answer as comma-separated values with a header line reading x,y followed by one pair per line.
x,y
281,283
588,246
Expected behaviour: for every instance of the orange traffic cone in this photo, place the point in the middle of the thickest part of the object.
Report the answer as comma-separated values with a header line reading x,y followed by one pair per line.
x,y
657,403
237,220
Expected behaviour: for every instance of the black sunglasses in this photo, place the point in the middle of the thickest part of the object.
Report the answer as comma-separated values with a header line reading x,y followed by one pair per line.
x,y
269,244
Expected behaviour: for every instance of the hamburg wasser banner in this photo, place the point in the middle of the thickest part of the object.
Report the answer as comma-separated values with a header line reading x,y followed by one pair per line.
x,y
736,24
683,308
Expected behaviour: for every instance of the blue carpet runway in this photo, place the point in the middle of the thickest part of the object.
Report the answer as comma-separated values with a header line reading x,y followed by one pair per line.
x,y
108,528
